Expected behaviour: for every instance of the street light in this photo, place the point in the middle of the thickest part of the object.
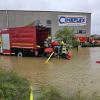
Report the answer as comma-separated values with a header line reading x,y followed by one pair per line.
x,y
7,19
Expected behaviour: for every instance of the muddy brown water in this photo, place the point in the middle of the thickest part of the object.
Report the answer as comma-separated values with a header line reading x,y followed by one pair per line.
x,y
81,72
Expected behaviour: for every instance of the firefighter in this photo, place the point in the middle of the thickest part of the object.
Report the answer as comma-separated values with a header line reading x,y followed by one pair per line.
x,y
62,43
78,43
63,51
47,42
57,51
60,47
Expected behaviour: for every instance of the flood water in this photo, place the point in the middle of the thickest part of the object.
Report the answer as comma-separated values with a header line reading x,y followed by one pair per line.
x,y
81,72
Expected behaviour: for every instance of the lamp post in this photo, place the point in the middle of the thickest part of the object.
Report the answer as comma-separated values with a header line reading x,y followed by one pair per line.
x,y
7,19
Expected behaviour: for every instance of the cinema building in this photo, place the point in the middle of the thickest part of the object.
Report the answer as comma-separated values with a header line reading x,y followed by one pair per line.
x,y
54,20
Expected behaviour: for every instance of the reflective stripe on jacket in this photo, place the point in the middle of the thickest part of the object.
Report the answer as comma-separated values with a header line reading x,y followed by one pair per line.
x,y
64,49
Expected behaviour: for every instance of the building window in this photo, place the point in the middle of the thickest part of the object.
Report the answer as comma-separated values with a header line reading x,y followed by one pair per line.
x,y
48,22
82,32
37,22
75,31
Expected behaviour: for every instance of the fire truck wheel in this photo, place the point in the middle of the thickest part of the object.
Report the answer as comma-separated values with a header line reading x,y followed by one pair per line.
x,y
20,54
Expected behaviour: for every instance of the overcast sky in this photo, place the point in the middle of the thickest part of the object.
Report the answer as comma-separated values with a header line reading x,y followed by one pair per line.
x,y
91,6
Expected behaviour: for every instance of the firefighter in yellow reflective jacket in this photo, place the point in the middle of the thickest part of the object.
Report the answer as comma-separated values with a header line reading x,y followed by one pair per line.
x,y
63,51
62,43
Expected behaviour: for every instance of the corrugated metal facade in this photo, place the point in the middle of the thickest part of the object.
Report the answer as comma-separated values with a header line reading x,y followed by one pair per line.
x,y
13,18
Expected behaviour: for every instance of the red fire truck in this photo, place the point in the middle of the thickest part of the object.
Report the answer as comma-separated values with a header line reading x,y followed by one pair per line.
x,y
83,39
23,40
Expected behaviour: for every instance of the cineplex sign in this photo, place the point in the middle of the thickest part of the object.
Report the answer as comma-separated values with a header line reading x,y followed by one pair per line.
x,y
71,20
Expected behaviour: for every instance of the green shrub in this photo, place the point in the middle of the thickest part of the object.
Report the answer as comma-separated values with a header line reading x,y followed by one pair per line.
x,y
13,87
76,43
50,93
66,34
90,45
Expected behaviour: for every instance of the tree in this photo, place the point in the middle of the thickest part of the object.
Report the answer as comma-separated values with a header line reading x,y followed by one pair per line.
x,y
66,35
